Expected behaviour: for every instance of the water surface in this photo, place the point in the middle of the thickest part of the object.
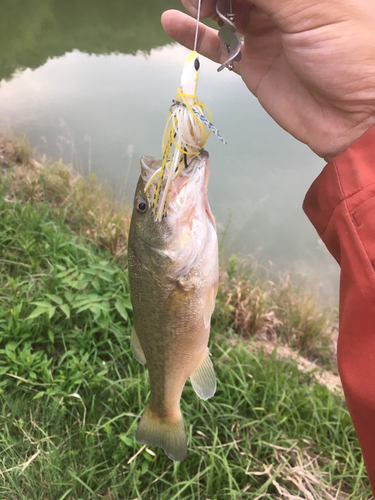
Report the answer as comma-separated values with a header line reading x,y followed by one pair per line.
x,y
91,83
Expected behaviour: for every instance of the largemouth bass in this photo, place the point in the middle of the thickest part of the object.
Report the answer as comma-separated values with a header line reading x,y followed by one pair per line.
x,y
173,273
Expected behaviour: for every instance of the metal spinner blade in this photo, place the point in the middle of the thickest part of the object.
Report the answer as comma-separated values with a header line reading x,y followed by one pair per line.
x,y
228,35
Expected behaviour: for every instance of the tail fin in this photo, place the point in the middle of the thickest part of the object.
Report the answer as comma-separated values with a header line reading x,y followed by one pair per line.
x,y
169,436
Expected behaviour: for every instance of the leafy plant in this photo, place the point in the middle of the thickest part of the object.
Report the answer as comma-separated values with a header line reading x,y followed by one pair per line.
x,y
63,307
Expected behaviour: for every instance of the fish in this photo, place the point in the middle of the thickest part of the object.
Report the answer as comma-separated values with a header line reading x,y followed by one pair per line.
x,y
173,275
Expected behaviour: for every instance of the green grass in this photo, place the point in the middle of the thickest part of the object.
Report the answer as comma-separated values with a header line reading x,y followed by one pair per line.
x,y
84,204
265,424
71,391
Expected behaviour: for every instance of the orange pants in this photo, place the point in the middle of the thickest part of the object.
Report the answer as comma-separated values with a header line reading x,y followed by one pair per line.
x,y
341,206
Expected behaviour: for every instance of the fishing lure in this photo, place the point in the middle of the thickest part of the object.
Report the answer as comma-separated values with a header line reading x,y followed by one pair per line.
x,y
185,134
189,121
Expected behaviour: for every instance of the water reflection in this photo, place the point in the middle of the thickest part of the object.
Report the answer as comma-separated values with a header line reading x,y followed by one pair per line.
x,y
104,112
33,32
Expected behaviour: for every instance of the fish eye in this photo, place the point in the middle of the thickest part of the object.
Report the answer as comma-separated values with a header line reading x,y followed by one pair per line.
x,y
140,205
196,64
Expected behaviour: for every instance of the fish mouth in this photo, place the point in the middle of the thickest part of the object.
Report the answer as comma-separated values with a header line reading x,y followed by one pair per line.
x,y
194,167
149,165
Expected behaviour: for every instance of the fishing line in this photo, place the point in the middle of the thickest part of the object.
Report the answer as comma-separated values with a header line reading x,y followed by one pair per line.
x,y
186,132
197,26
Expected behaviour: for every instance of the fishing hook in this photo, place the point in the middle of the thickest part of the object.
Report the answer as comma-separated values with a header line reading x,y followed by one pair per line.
x,y
229,36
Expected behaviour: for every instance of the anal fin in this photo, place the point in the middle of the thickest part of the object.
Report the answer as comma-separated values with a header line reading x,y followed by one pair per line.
x,y
203,379
137,348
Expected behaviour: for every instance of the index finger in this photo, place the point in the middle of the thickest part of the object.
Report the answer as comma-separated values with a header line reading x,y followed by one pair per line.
x,y
182,27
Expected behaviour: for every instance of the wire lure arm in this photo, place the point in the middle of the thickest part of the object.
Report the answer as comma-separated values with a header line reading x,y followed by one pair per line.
x,y
229,36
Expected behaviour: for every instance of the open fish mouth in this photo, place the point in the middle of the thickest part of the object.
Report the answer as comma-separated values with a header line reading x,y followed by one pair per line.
x,y
151,166
185,187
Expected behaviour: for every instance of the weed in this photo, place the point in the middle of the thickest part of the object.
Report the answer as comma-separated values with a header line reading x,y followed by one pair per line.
x,y
250,303
17,149
84,204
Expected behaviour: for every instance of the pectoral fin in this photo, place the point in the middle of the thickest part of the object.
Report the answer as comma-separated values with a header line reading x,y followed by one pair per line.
x,y
203,379
136,347
209,306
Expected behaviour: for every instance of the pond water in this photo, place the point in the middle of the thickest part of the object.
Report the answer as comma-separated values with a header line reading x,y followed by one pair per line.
x,y
91,83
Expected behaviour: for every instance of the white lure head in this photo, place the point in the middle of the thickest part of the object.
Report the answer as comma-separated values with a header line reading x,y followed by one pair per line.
x,y
189,77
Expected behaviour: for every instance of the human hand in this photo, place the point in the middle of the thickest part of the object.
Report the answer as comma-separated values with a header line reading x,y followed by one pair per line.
x,y
310,63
